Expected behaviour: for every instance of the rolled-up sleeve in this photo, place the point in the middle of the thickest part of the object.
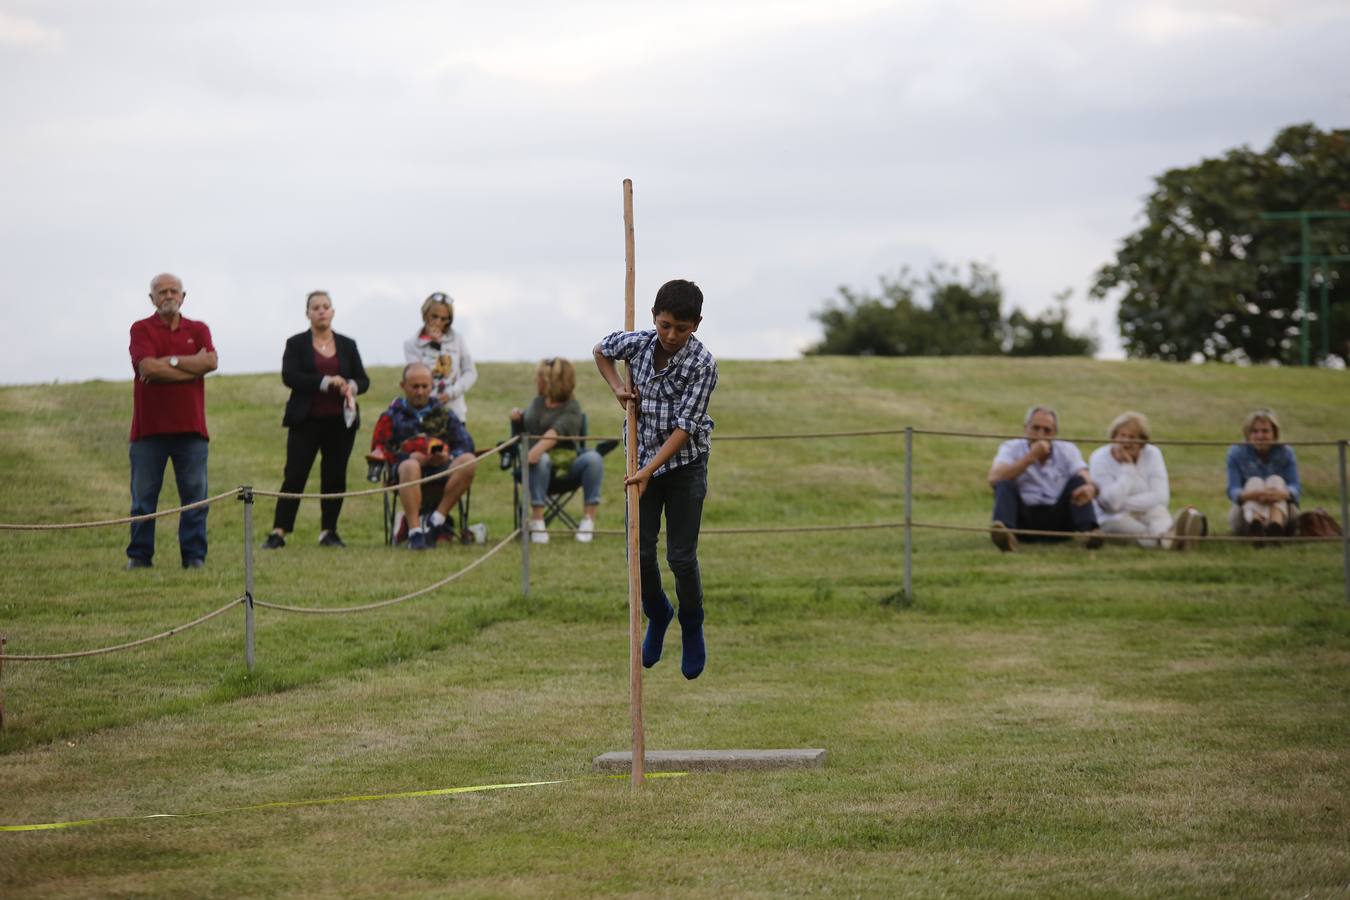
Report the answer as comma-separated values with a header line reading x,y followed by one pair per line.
x,y
621,344
692,413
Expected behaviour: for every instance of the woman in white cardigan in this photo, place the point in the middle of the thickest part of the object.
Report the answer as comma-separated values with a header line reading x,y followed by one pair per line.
x,y
442,350
1133,490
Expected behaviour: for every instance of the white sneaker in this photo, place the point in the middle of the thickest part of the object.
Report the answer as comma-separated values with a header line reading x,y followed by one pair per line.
x,y
538,532
586,530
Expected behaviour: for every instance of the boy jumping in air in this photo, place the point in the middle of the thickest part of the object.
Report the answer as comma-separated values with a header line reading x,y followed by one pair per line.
x,y
673,380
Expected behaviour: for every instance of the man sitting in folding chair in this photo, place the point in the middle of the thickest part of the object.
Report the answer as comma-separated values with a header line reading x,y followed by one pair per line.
x,y
558,468
418,436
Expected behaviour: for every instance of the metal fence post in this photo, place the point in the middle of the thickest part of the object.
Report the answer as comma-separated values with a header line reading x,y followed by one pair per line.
x,y
525,513
909,512
246,494
1345,521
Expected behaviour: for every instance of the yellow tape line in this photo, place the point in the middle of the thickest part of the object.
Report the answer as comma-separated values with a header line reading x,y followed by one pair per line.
x,y
358,798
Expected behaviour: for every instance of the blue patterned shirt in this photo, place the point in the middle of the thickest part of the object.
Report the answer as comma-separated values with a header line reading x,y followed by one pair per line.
x,y
675,397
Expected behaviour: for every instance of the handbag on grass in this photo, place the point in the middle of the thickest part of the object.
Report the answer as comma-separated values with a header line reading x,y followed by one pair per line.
x,y
1317,523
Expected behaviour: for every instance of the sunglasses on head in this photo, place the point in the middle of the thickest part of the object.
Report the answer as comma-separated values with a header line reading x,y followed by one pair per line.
x,y
439,297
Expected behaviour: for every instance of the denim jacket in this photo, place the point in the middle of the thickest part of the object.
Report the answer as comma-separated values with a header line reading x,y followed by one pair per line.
x,y
1244,463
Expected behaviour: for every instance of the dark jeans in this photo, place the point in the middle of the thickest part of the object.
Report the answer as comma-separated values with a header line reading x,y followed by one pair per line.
x,y
1061,516
680,493
330,435
149,456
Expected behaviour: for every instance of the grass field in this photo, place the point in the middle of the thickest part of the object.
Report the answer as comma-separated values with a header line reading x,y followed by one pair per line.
x,y
1048,723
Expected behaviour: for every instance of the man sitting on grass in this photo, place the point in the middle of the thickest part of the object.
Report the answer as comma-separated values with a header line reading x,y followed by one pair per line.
x,y
422,437
1041,484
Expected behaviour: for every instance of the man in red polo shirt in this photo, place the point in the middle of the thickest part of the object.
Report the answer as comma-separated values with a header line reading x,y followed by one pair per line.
x,y
169,356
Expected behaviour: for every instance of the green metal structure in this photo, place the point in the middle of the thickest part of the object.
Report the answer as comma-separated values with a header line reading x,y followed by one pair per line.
x,y
1306,260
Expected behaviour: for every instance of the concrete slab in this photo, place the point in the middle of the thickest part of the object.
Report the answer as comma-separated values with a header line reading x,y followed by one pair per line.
x,y
711,760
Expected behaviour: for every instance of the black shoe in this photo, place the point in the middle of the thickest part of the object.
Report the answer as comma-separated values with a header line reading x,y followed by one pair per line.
x,y
134,563
194,564
1003,539
274,542
331,539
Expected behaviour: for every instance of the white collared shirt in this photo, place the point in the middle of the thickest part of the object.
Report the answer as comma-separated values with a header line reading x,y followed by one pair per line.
x,y
1042,482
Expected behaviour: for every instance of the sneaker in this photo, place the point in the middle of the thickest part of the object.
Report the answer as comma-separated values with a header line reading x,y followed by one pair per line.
x,y
330,539
134,563
194,564
418,541
1190,523
538,531
1003,539
1275,530
586,530
1093,539
274,542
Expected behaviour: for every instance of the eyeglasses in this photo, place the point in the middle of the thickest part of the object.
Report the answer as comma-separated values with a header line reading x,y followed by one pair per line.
x,y
439,297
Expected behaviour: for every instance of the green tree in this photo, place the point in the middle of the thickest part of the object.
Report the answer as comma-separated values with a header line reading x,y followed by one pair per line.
x,y
942,314
1204,276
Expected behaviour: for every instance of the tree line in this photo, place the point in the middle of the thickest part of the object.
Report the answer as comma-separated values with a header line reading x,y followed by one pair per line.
x,y
1208,276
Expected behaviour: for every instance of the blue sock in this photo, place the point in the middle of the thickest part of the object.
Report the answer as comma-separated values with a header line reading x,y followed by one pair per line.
x,y
658,618
695,654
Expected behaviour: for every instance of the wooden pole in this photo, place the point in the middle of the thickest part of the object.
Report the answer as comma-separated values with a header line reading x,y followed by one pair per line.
x,y
634,576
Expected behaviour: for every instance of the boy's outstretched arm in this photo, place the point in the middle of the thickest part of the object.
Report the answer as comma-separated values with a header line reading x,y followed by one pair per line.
x,y
610,373
678,438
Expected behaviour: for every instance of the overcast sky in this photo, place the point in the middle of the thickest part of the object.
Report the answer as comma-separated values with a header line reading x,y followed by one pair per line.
x,y
381,151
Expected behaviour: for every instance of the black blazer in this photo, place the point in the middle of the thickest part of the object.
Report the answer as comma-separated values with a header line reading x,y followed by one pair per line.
x,y
300,375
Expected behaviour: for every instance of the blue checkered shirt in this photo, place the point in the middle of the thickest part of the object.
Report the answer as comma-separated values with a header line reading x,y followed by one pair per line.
x,y
676,397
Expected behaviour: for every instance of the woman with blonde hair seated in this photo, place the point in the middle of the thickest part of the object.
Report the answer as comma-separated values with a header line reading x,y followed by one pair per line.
x,y
1262,479
554,412
1133,488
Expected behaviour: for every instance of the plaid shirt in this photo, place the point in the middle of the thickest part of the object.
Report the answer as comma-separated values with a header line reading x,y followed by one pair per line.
x,y
676,397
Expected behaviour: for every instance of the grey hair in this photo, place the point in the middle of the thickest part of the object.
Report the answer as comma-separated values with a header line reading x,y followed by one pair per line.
x,y
1035,409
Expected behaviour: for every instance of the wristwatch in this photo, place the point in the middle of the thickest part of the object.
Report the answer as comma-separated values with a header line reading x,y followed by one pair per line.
x,y
173,361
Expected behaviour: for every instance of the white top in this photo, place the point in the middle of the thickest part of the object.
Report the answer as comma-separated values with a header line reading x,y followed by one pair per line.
x,y
1042,482
1130,487
452,369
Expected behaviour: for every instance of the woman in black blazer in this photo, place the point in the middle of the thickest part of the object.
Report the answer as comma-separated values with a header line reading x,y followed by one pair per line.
x,y
324,372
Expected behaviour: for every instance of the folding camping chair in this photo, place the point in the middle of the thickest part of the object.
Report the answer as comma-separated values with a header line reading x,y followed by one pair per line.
x,y
561,489
395,527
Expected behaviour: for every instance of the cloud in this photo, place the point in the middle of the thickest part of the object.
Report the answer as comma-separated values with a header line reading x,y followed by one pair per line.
x,y
16,31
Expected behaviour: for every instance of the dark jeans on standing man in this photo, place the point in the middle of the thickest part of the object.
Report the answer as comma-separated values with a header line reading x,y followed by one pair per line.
x,y
1062,515
330,435
680,492
149,456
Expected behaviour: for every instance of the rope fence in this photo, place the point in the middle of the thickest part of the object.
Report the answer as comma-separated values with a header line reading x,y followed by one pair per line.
x,y
78,654
320,610
908,524
125,520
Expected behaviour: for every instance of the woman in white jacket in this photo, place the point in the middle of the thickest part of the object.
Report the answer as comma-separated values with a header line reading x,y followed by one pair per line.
x,y
1133,490
442,350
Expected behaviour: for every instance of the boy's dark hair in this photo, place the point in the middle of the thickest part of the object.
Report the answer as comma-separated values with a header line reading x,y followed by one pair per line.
x,y
682,299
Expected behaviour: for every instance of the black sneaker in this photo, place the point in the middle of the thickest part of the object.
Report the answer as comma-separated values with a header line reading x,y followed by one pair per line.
x,y
274,542
194,564
330,539
134,563
1003,539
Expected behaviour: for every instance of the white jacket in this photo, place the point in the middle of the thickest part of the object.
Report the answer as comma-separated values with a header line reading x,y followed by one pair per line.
x,y
452,369
1129,488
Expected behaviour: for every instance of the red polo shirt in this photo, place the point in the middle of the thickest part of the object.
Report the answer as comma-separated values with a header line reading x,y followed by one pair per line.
x,y
177,407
